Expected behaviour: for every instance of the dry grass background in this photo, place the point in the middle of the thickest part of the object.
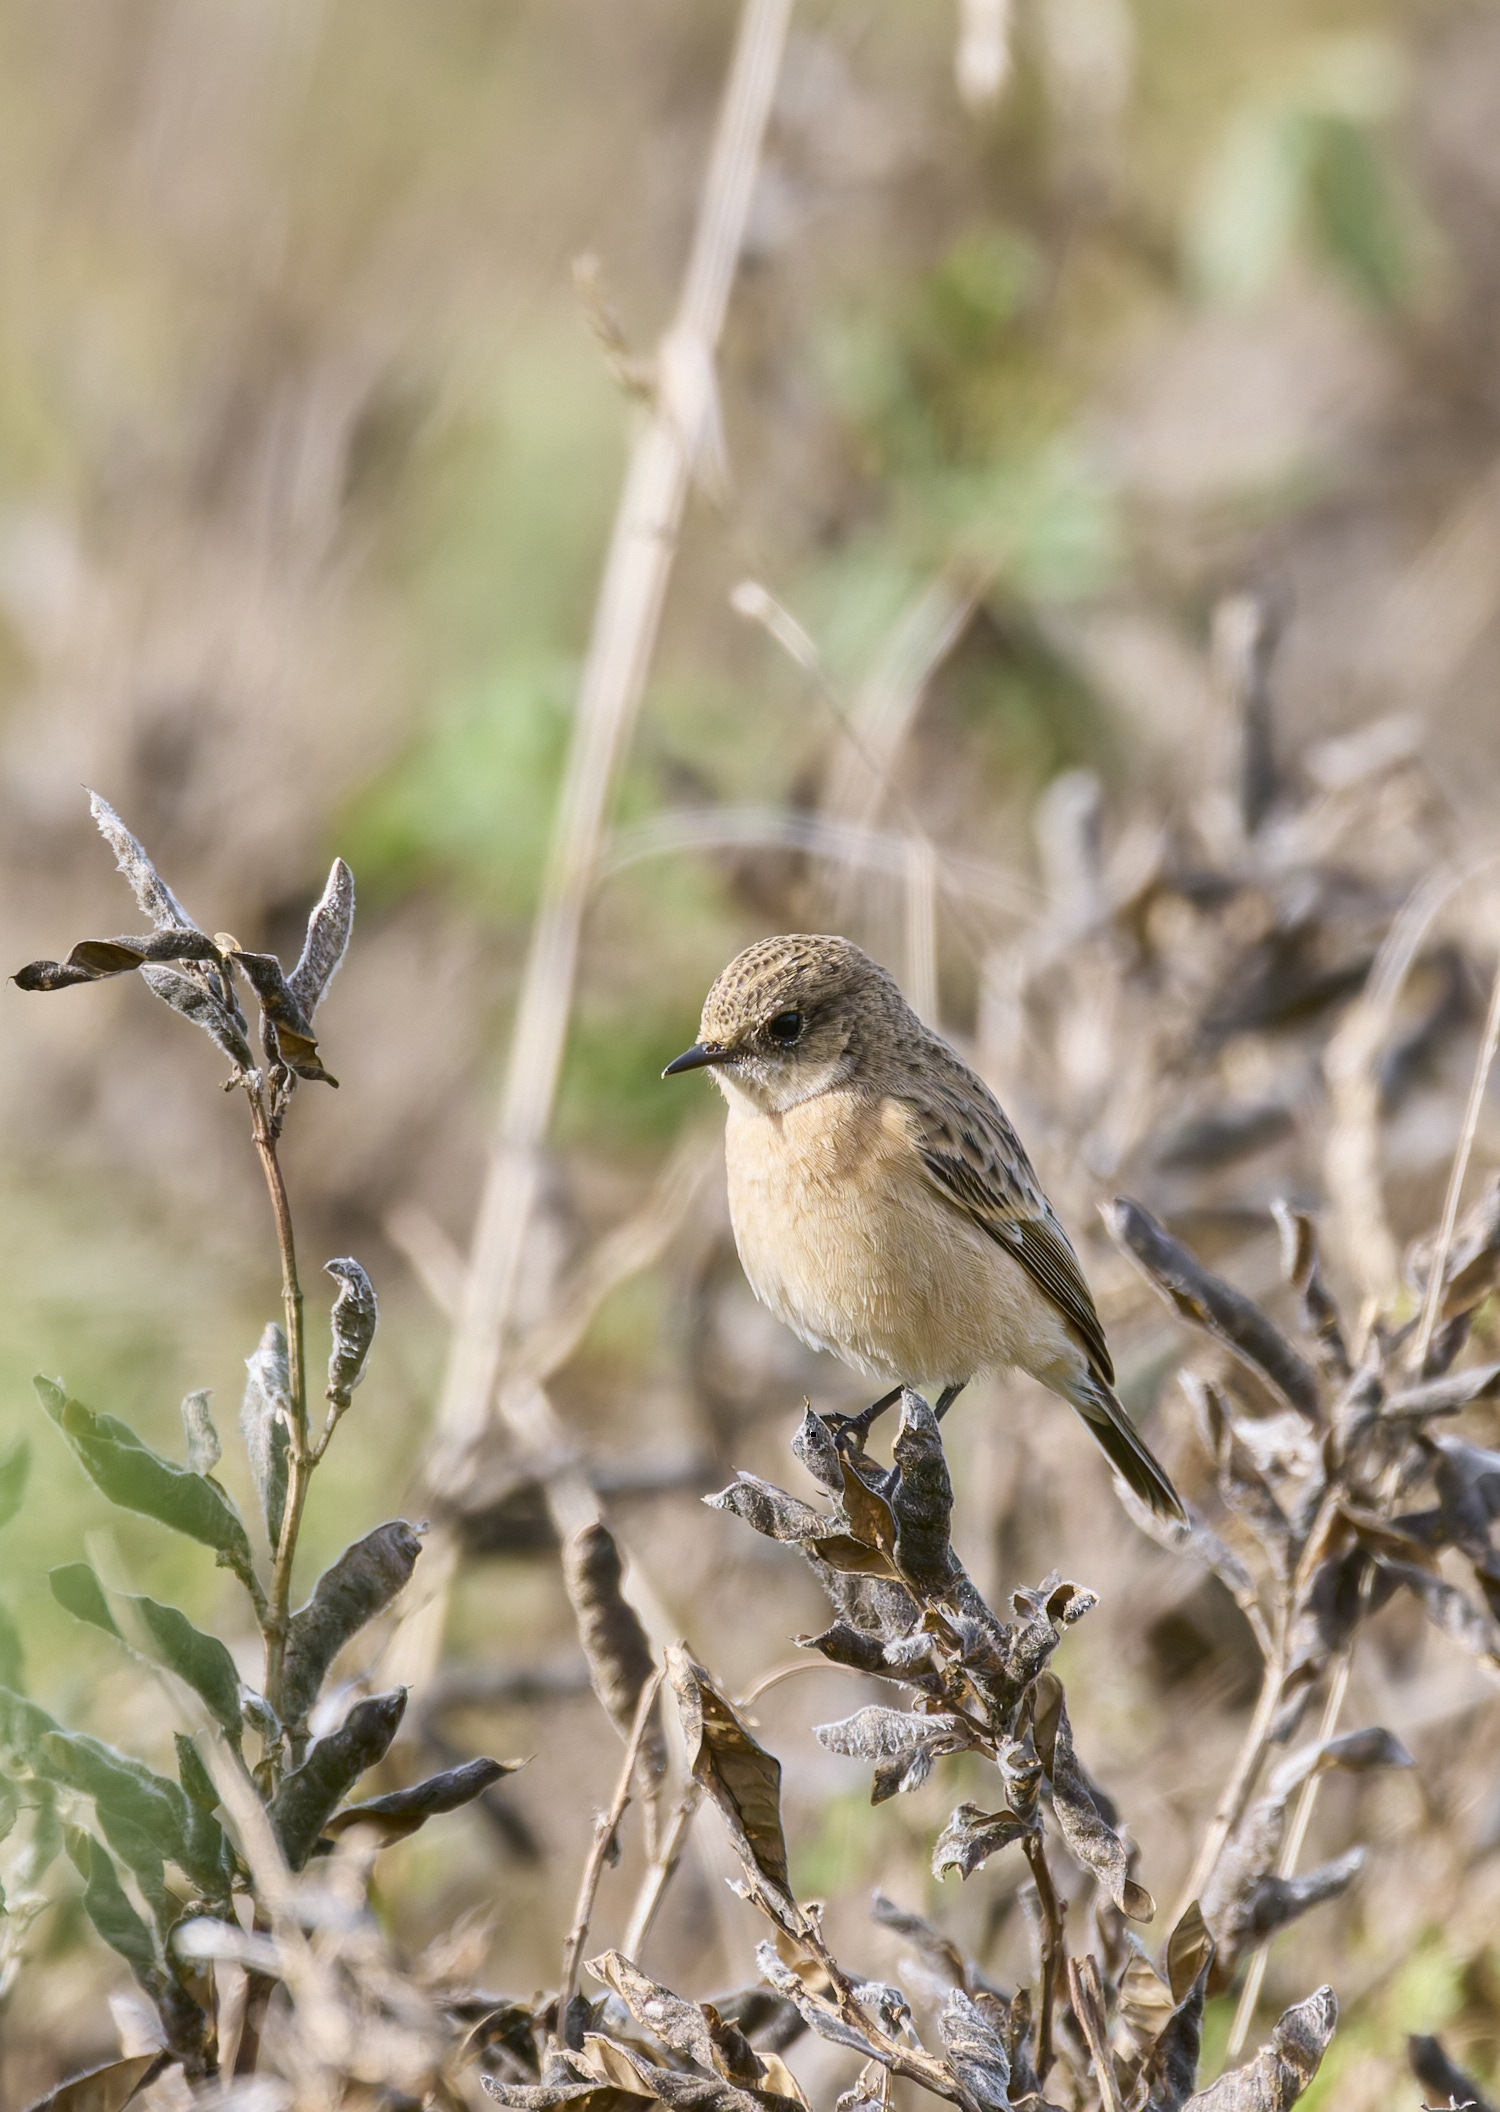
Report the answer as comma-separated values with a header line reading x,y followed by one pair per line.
x,y
310,456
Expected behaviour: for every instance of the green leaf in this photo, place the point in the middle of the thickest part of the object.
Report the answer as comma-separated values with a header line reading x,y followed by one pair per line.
x,y
200,1659
306,1799
78,1591
195,1778
14,1468
138,1479
107,1907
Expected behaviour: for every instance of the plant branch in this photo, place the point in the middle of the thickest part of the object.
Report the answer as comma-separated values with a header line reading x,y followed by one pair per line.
x,y
300,1458
1291,1849
604,1832
1236,1792
1432,1300
659,1874
1052,1949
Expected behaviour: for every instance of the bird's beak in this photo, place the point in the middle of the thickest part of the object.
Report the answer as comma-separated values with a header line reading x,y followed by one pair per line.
x,y
694,1059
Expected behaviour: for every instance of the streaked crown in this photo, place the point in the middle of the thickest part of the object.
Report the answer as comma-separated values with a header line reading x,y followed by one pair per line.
x,y
806,972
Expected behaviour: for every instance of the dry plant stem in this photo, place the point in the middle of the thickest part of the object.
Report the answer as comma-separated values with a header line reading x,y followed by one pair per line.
x,y
300,1460
1088,2007
1433,1297
1236,1793
1291,1849
896,2058
604,1833
660,1873
1052,1951
641,555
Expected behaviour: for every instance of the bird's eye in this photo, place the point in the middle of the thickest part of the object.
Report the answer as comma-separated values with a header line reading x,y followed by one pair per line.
x,y
784,1028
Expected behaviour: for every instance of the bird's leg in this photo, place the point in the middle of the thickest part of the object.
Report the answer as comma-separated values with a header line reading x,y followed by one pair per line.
x,y
947,1397
852,1430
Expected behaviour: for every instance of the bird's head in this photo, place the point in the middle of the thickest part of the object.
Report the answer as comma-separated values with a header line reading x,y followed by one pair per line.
x,y
792,1017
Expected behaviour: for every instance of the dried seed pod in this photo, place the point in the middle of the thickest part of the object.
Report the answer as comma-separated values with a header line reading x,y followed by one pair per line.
x,y
355,1316
327,941
360,1584
152,894
203,1448
266,1425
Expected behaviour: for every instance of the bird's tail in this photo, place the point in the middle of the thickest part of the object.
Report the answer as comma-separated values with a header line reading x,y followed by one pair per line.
x,y
1117,1438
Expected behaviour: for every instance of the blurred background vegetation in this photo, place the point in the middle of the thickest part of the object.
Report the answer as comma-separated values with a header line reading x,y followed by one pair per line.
x,y
307,463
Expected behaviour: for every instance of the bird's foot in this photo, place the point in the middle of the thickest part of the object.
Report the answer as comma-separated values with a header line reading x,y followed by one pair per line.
x,y
947,1397
850,1431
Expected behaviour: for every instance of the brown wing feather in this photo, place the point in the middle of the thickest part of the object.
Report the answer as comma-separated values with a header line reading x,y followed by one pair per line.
x,y
974,1155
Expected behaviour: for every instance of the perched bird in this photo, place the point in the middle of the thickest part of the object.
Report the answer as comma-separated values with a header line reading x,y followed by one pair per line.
x,y
883,1206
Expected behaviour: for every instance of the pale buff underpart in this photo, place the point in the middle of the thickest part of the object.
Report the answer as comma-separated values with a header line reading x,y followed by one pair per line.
x,y
848,1241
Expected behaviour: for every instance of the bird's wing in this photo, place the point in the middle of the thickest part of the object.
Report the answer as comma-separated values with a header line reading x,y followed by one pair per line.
x,y
975,1157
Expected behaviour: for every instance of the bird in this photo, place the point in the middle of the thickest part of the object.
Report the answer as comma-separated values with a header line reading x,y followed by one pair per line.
x,y
882,1203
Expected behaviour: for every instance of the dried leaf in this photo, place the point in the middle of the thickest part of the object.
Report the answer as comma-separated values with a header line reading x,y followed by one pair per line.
x,y
855,1647
770,1510
1354,1752
307,1797
1446,1395
742,1778
922,1503
153,896
814,1446
1303,1270
295,1040
1224,1135
552,2097
1095,1843
109,2088
354,1318
360,1584
678,2024
1279,2074
818,2016
976,2054
1170,2069
614,1642
883,1734
266,1426
1189,1947
972,1836
852,1557
871,1520
1442,2078
668,2086
327,941
138,1479
404,1810
203,1448
1449,1610
939,1949
95,960
1210,1303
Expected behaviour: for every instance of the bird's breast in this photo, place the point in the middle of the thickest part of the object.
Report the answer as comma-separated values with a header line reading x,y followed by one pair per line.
x,y
843,1235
